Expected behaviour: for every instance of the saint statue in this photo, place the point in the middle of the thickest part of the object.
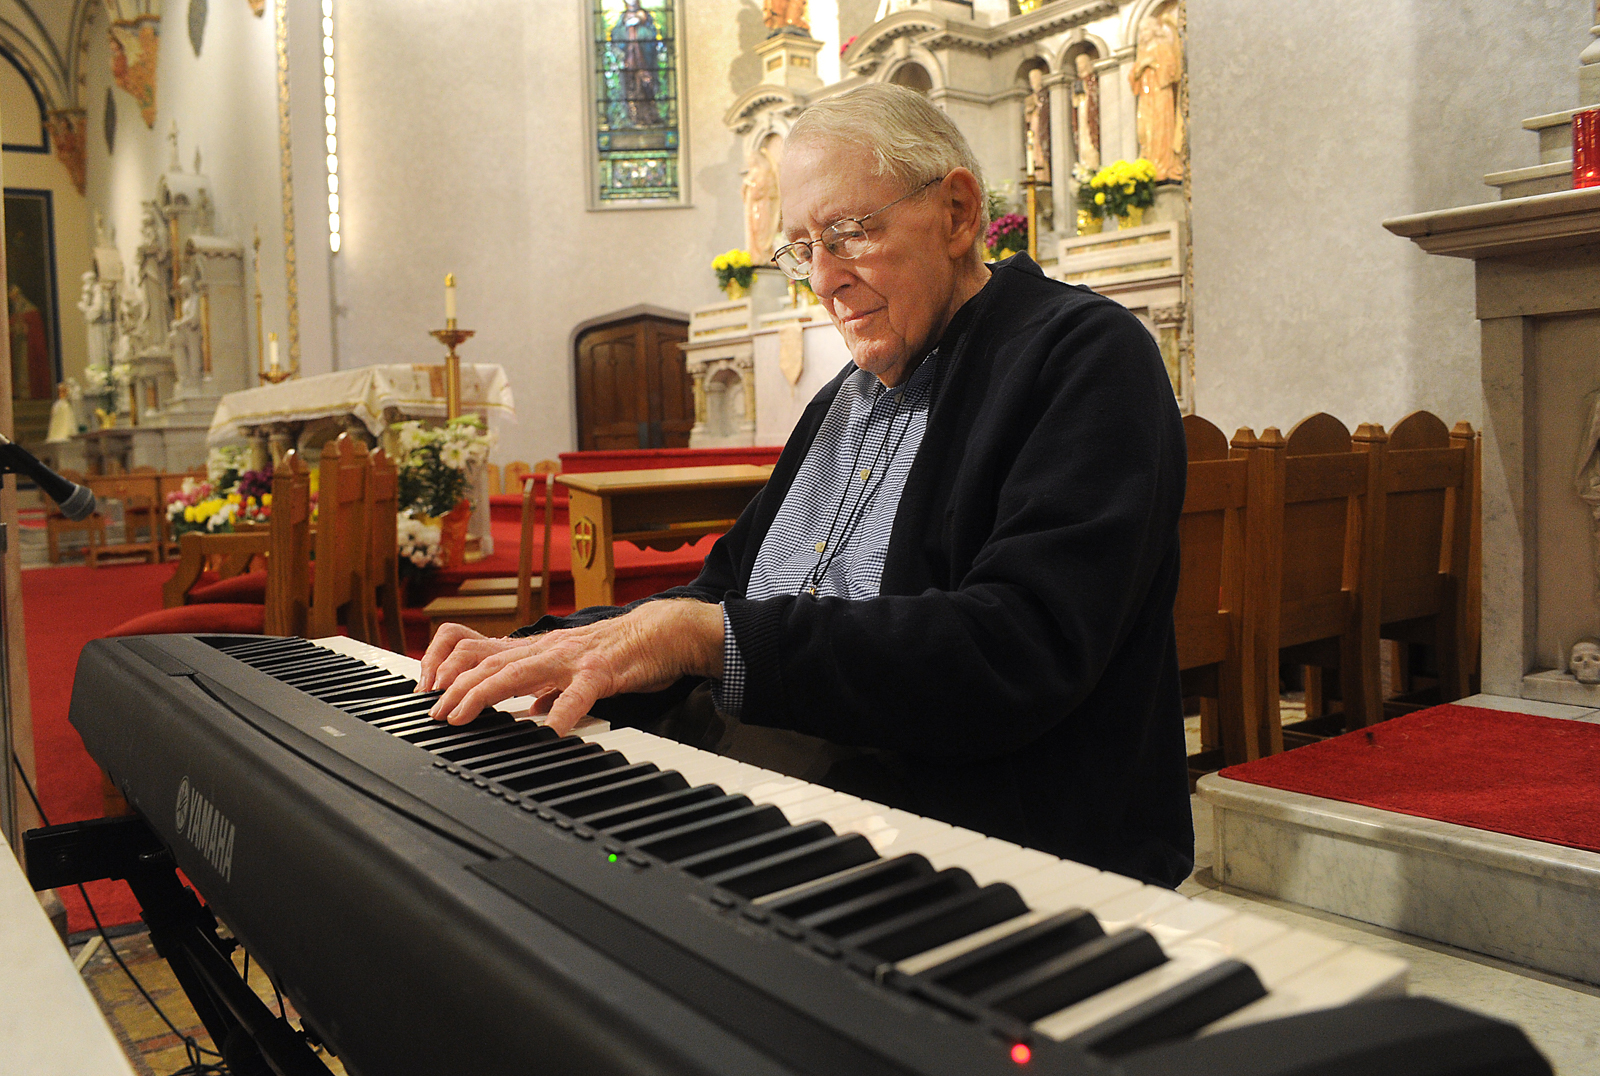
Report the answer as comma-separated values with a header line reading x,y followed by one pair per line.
x,y
1036,124
95,305
637,41
153,271
779,15
1086,112
183,338
760,192
1157,67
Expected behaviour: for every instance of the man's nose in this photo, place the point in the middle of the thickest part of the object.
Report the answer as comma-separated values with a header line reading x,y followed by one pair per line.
x,y
828,271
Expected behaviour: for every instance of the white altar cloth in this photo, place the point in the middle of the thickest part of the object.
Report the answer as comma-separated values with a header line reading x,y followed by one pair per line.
x,y
366,392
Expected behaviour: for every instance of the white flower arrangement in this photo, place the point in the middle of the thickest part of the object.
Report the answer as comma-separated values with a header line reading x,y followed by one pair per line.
x,y
419,541
223,459
97,380
436,462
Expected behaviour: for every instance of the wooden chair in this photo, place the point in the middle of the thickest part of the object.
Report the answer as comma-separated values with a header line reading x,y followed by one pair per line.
x,y
492,473
507,584
228,556
140,508
343,546
498,614
516,474
287,544
1327,558
1224,539
1427,516
383,565
56,524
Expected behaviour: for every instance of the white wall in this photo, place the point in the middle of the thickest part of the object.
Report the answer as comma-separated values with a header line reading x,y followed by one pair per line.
x,y
463,148
224,102
1311,124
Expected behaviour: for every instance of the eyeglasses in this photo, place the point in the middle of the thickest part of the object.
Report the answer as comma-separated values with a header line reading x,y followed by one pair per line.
x,y
845,239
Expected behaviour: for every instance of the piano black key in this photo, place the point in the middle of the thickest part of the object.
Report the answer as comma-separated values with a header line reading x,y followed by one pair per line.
x,y
330,672
427,728
830,892
539,777
376,709
753,848
679,814
709,833
869,909
248,652
515,752
599,779
1069,978
465,749
1176,1012
410,721
954,917
522,759
796,866
618,794
1015,953
372,689
286,665
610,818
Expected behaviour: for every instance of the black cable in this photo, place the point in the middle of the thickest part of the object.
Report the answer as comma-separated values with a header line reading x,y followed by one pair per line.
x,y
27,784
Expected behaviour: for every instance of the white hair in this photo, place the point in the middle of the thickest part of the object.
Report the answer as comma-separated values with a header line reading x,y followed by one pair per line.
x,y
910,139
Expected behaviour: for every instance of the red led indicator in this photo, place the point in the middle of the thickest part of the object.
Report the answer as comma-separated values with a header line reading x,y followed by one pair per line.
x,y
1021,1054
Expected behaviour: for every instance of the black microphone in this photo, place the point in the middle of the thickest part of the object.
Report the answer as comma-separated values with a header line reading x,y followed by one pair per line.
x,y
77,502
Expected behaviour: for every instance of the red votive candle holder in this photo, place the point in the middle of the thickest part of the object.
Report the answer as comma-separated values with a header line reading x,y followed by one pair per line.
x,y
1586,148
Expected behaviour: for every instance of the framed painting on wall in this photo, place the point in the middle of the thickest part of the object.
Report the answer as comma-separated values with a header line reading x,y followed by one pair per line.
x,y
31,294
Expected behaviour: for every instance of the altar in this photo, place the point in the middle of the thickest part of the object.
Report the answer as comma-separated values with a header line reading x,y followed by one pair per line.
x,y
303,413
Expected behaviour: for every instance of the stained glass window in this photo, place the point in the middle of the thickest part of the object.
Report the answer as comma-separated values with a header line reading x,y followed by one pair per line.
x,y
638,104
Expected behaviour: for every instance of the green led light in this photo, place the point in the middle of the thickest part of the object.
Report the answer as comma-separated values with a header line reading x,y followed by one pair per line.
x,y
612,857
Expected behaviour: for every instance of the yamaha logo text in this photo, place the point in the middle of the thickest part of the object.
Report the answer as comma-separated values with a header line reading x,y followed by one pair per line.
x,y
207,828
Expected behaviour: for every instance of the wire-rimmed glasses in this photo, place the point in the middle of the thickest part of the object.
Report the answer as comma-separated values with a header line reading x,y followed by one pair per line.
x,y
845,239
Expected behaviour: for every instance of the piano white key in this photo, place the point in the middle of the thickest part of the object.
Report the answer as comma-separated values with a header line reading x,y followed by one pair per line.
x,y
1284,957
931,958
1242,933
1352,975
836,810
1135,908
1183,963
986,850
1073,888
1019,863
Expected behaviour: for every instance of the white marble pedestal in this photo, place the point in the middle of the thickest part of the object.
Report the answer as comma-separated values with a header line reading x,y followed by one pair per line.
x,y
1525,901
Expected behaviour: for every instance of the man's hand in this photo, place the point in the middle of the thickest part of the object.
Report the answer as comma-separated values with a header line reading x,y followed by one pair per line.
x,y
567,671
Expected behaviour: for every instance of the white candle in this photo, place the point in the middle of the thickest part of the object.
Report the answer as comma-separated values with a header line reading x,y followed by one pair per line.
x,y
272,351
450,298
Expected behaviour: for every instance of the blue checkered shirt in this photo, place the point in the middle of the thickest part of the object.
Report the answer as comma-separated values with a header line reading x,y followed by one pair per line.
x,y
843,500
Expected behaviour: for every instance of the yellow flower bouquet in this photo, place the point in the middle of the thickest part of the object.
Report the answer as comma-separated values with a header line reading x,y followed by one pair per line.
x,y
1119,187
733,265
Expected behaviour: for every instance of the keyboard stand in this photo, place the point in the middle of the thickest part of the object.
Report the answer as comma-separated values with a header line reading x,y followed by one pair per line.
x,y
250,1036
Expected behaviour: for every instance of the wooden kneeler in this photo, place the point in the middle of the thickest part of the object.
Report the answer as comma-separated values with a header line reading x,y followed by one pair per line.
x,y
499,614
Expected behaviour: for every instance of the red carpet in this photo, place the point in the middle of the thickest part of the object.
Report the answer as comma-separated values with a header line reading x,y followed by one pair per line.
x,y
63,608
1527,776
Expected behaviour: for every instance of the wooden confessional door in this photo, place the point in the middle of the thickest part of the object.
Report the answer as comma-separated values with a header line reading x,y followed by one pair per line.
x,y
633,391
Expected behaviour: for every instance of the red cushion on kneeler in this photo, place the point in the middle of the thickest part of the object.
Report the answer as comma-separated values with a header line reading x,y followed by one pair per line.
x,y
247,588
234,618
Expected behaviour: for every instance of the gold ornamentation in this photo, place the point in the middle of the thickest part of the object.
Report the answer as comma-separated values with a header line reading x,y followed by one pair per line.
x,y
583,542
68,133
135,44
286,179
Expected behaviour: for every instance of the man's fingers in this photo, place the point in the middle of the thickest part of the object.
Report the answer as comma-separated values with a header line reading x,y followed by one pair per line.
x,y
465,670
522,677
571,706
439,649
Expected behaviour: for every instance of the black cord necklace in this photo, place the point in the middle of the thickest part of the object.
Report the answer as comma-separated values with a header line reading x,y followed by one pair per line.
x,y
828,549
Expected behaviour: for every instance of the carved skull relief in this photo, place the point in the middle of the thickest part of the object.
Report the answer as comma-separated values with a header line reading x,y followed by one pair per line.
x,y
1584,664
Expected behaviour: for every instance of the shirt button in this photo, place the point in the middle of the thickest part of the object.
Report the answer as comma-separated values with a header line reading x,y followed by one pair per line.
x,y
821,546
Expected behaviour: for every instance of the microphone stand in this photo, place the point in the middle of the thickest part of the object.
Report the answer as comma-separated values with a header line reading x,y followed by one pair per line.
x,y
8,787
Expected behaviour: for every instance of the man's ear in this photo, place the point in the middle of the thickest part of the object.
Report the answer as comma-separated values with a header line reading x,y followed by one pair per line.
x,y
965,199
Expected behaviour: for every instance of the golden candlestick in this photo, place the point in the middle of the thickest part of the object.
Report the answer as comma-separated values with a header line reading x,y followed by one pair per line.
x,y
450,336
275,374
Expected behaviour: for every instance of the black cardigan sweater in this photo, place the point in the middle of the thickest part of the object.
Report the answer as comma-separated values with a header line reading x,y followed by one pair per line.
x,y
1020,660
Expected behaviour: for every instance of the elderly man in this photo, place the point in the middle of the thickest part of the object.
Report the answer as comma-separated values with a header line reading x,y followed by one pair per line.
x,y
955,594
